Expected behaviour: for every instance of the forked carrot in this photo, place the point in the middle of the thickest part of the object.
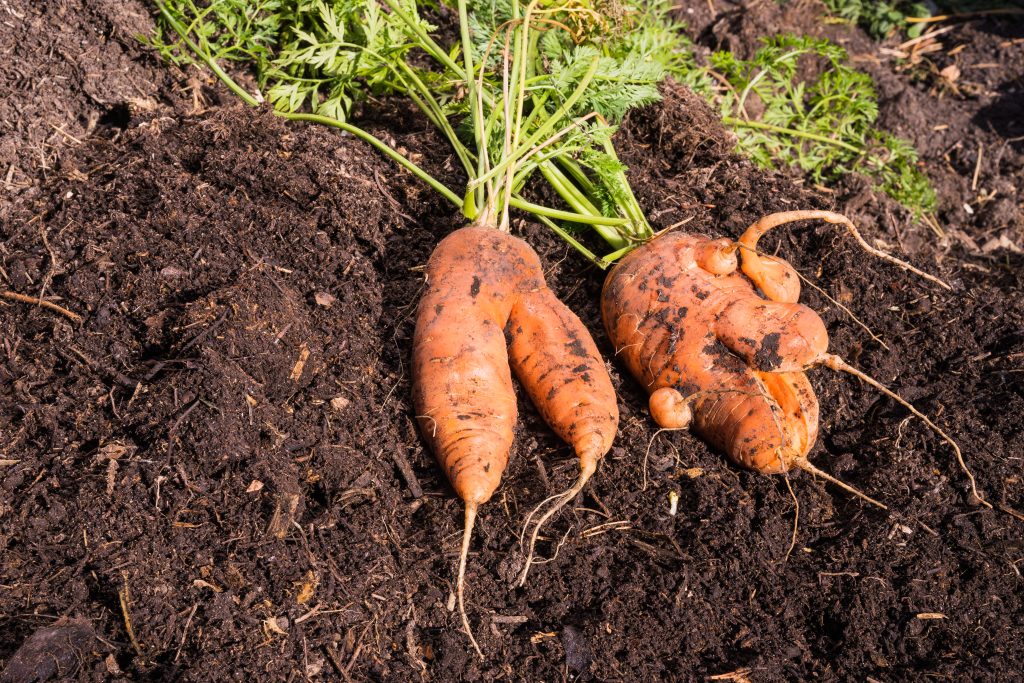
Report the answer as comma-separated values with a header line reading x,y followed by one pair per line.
x,y
482,283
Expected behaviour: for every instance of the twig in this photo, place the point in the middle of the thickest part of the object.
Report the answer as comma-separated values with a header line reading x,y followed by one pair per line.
x,y
117,376
616,525
53,261
332,655
398,456
920,39
963,16
1010,511
14,296
355,653
509,619
123,596
977,168
543,471
174,427
192,342
184,634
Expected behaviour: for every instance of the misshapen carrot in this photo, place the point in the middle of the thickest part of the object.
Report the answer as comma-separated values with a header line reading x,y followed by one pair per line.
x,y
480,283
693,333
696,334
728,359
462,387
778,281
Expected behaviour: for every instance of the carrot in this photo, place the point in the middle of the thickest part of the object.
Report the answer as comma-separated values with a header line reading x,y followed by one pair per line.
x,y
687,333
560,368
685,318
481,284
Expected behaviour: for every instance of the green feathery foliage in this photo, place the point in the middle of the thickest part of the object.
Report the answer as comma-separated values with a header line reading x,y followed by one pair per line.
x,y
798,102
540,88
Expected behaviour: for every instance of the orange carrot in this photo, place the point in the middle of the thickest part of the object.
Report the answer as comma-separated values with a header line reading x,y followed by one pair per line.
x,y
714,354
480,282
679,327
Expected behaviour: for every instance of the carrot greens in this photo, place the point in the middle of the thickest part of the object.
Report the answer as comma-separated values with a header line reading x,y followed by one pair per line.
x,y
528,90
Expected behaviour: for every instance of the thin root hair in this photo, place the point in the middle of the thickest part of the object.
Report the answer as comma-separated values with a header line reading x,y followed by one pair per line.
x,y
836,363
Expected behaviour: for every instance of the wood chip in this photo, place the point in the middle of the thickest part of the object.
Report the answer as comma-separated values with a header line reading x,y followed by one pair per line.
x,y
300,364
510,619
931,615
951,73
405,469
324,299
307,588
278,626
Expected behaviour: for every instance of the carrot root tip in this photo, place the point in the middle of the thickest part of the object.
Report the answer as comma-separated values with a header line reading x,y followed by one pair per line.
x,y
460,582
807,466
836,363
587,469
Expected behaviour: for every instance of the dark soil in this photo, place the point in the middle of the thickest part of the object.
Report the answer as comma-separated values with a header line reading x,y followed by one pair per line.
x,y
222,454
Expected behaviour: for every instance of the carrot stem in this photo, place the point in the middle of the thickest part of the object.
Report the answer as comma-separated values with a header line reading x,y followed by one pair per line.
x,y
558,214
743,123
206,57
546,127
